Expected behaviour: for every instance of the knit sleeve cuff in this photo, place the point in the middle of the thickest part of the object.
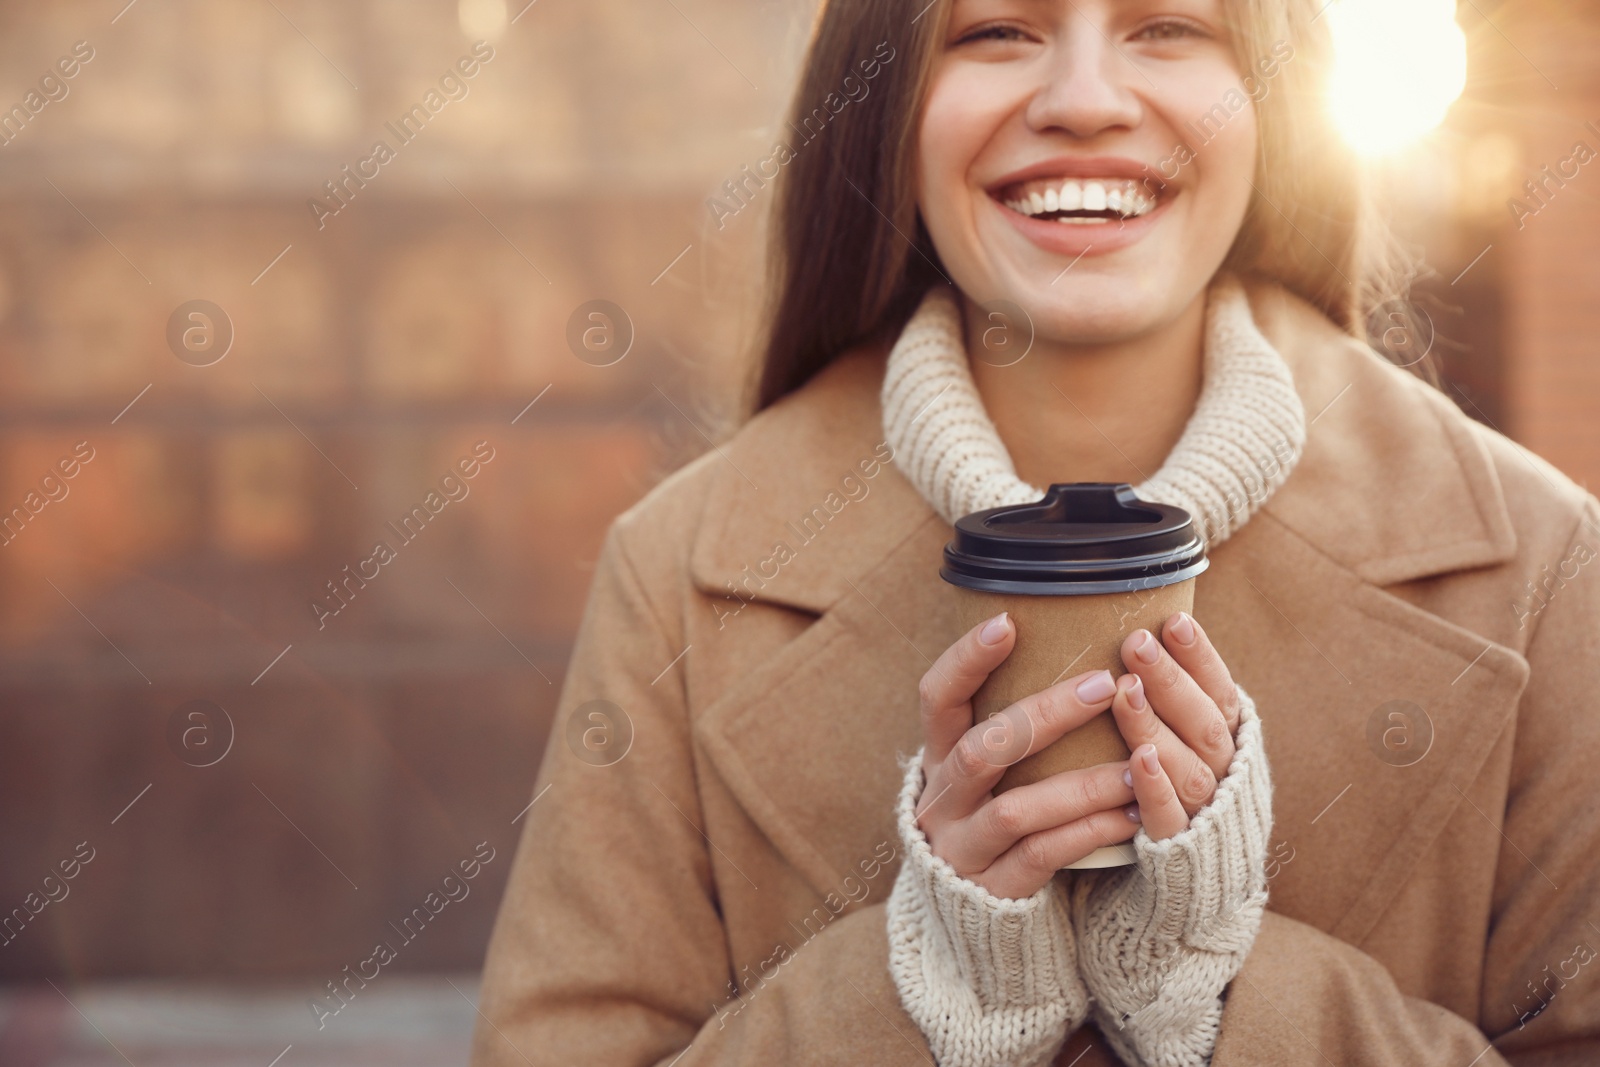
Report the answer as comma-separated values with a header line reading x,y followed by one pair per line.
x,y
1158,945
990,981
1214,874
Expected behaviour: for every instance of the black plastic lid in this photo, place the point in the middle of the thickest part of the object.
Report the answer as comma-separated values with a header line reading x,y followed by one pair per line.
x,y
1083,537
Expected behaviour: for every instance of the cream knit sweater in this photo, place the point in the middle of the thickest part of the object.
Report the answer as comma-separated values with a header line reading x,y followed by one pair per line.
x,y
1246,433
1147,949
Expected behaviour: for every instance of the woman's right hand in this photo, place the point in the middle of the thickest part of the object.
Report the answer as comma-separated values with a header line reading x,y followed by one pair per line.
x,y
1013,844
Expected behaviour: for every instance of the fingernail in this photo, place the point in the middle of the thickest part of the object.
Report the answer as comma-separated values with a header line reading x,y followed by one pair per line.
x,y
1183,628
1152,762
1132,812
1097,687
1127,778
1136,699
993,630
1147,649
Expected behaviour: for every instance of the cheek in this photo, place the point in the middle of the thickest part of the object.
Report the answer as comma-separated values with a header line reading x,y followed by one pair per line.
x,y
1229,163
1224,141
962,114
1225,167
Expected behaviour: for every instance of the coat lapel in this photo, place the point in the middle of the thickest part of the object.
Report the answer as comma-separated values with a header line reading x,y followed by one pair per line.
x,y
1363,781
1390,488
1393,484
807,741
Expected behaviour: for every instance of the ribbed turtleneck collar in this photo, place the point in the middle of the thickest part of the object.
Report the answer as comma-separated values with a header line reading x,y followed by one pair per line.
x,y
1245,436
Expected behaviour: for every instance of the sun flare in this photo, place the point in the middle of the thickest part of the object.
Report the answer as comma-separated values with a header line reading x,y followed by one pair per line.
x,y
1398,66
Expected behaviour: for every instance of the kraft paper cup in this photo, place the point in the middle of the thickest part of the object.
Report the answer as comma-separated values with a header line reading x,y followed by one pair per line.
x,y
1078,570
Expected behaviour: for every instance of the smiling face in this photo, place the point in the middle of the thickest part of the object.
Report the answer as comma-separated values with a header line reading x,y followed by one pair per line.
x,y
1089,160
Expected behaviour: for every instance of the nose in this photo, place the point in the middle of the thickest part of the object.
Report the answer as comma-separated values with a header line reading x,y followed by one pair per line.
x,y
1087,84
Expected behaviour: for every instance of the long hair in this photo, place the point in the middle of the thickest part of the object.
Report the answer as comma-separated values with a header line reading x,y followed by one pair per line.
x,y
848,257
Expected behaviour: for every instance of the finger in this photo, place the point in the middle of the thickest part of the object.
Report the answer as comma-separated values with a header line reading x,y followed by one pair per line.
x,y
1139,724
1062,707
1160,810
1179,700
1034,860
1192,649
983,753
946,690
1061,798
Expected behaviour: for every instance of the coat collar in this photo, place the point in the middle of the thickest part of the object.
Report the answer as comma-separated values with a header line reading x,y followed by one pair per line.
x,y
1393,485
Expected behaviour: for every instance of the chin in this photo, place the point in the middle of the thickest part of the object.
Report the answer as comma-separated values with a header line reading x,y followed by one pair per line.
x,y
1103,309
1100,299
1085,325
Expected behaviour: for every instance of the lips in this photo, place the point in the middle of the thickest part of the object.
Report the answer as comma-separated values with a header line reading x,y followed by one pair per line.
x,y
1075,206
1080,167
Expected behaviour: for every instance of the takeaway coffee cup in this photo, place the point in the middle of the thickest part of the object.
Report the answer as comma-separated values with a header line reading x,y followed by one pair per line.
x,y
1078,570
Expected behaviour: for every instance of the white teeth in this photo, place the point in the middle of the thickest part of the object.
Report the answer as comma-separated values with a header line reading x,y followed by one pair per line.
x,y
1123,196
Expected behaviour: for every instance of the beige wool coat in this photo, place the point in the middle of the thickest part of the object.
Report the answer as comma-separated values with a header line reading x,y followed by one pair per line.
x,y
1416,612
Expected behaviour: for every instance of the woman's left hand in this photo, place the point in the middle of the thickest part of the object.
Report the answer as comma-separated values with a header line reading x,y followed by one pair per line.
x,y
1159,940
1178,711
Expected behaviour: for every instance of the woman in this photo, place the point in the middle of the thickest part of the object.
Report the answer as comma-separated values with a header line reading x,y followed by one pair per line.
x,y
1358,792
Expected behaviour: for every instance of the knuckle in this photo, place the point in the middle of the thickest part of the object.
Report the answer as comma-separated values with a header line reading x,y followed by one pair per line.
x,y
1165,672
967,759
1045,708
928,692
1197,786
1216,735
1008,816
1230,704
1092,791
1034,854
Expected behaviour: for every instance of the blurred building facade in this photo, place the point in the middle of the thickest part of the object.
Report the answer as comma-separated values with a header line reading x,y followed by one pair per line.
x,y
376,345
421,322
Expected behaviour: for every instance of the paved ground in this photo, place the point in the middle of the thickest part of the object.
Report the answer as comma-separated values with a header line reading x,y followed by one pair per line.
x,y
400,1021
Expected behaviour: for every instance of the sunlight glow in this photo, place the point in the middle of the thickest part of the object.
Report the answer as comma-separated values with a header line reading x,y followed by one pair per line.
x,y
481,20
1399,65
